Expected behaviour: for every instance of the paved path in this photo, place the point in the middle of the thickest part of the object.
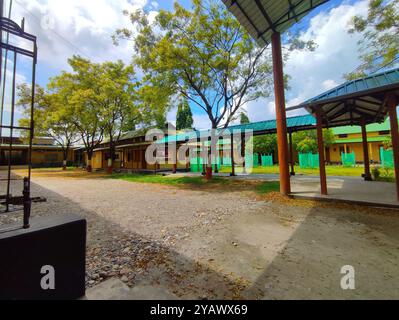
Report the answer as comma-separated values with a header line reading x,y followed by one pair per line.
x,y
339,188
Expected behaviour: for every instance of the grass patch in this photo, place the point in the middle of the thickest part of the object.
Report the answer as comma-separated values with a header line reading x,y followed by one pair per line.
x,y
331,171
169,180
217,183
267,187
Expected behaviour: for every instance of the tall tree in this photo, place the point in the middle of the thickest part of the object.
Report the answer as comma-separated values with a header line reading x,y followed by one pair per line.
x,y
306,141
184,117
203,54
50,118
85,102
265,144
244,119
117,87
380,30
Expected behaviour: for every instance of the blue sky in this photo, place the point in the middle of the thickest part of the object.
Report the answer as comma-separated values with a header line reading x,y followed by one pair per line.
x,y
85,27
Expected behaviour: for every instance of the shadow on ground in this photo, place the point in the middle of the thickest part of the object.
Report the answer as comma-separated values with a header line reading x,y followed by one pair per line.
x,y
312,243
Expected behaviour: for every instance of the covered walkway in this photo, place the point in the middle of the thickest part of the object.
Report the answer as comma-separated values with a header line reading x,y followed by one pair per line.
x,y
361,102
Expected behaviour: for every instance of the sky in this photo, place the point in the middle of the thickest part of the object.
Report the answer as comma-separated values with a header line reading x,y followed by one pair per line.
x,y
65,28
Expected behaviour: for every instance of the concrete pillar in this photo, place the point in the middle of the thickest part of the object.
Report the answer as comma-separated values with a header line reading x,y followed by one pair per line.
x,y
322,163
367,172
281,117
393,118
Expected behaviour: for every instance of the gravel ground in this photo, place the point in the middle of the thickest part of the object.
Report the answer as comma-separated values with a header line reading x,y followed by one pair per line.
x,y
225,245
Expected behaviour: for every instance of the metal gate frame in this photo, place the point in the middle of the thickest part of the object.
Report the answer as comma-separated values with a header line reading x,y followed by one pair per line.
x,y
7,26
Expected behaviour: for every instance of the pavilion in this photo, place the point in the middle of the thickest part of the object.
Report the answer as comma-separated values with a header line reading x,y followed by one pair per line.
x,y
360,102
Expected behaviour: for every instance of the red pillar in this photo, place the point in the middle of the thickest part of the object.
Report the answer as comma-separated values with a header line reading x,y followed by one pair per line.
x,y
322,162
393,118
367,172
281,117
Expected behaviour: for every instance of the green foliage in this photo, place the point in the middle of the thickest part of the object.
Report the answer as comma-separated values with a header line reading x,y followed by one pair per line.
x,y
306,141
50,118
203,54
244,119
376,173
265,144
388,144
184,117
380,29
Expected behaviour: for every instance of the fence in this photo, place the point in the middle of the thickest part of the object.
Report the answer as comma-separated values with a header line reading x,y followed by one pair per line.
x,y
196,164
386,158
267,161
348,159
308,161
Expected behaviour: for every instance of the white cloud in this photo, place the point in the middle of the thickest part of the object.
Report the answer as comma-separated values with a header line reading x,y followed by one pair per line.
x,y
80,27
315,72
329,84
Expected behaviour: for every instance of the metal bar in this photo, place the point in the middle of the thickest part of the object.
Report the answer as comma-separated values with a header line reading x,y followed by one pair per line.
x,y
16,128
22,51
32,113
11,131
10,26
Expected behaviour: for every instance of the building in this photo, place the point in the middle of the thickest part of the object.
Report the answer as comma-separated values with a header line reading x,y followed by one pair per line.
x,y
349,140
130,154
45,153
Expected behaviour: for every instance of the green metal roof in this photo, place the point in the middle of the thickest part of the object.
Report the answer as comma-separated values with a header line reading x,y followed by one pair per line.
x,y
269,126
262,17
259,128
355,101
371,82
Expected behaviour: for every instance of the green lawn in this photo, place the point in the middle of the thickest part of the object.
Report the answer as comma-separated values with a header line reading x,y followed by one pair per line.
x,y
216,183
168,180
331,171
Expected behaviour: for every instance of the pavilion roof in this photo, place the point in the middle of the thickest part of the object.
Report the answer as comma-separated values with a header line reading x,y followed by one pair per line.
x,y
354,101
262,17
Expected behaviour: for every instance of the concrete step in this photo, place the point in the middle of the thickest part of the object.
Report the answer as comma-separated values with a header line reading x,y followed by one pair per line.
x,y
115,289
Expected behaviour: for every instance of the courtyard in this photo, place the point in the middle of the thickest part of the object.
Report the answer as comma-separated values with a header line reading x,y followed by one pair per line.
x,y
224,239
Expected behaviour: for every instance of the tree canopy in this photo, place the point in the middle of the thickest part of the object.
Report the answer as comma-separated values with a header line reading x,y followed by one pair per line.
x,y
203,54
244,119
306,141
184,117
380,30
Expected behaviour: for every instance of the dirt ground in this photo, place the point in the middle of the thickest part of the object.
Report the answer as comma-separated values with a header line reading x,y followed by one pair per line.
x,y
214,244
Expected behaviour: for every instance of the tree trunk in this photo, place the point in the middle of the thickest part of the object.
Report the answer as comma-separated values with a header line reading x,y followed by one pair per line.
x,y
110,168
65,160
89,166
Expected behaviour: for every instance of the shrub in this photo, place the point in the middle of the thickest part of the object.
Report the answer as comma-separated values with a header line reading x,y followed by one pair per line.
x,y
376,173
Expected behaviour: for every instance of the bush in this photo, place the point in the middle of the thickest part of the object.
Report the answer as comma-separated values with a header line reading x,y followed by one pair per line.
x,y
376,173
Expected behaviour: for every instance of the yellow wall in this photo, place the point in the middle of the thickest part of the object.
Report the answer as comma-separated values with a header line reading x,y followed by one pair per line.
x,y
49,157
374,148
